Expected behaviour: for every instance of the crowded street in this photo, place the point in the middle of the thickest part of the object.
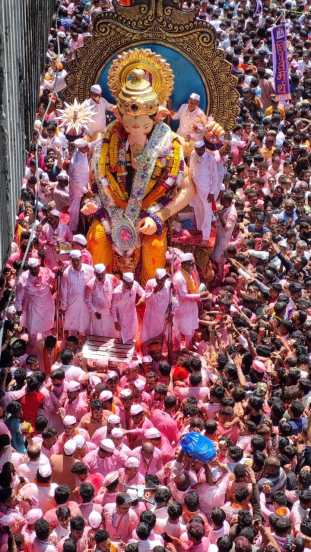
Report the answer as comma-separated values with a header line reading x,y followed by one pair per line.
x,y
155,304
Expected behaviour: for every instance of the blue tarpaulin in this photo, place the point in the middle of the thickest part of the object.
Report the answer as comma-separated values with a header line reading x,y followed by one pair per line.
x,y
198,446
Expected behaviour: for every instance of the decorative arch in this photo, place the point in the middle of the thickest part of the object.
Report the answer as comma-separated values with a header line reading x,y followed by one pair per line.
x,y
157,22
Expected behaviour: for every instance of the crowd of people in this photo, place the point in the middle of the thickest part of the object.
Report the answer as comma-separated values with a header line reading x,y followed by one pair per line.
x,y
90,458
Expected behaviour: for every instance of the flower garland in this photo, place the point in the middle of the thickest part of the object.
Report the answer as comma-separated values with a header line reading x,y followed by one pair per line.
x,y
114,151
114,160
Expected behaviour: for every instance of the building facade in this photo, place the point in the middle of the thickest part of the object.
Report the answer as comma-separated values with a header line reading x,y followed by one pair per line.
x,y
24,29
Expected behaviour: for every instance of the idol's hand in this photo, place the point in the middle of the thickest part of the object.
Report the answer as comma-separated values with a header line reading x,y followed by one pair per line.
x,y
147,226
162,113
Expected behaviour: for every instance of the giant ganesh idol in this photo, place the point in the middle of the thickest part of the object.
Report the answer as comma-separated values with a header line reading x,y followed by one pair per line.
x,y
141,170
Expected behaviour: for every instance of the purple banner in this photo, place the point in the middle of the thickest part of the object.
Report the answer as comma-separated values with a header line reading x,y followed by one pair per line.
x,y
280,61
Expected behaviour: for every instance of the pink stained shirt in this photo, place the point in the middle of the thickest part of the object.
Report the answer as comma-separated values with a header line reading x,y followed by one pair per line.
x,y
200,393
106,497
119,526
202,547
35,300
136,434
81,544
39,546
51,516
52,404
4,430
138,479
50,238
76,408
28,534
212,496
148,465
102,465
165,448
165,424
124,451
99,435
215,534
164,525
40,496
232,432
298,514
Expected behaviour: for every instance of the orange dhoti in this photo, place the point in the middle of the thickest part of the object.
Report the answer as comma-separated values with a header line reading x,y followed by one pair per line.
x,y
151,253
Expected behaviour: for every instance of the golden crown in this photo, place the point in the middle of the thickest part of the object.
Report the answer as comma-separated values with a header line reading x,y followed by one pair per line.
x,y
137,96
140,80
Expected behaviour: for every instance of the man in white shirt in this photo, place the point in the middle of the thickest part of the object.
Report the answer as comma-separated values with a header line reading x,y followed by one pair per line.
x,y
74,281
189,115
100,106
204,174
225,224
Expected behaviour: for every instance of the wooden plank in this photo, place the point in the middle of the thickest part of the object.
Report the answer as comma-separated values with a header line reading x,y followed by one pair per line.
x,y
105,349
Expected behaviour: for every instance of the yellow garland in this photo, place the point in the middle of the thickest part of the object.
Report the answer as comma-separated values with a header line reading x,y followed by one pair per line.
x,y
103,160
177,155
115,187
108,163
114,149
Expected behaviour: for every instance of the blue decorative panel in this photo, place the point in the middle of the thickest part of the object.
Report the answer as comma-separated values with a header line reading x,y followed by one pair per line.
x,y
187,77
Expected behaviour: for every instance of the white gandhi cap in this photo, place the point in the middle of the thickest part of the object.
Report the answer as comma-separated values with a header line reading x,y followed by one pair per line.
x,y
75,254
117,432
73,386
33,262
107,445
112,374
55,213
147,359
113,419
139,384
69,421
160,273
199,144
80,239
132,462
136,409
111,478
99,268
152,433
105,395
128,277
95,519
187,257
45,470
33,515
79,440
195,97
96,89
63,175
70,447
125,393
44,177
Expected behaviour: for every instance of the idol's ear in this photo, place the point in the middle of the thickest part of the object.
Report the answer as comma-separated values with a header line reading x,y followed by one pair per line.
x,y
117,114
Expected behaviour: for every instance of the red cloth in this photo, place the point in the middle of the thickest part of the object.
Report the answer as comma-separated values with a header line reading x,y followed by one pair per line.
x,y
180,373
31,403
